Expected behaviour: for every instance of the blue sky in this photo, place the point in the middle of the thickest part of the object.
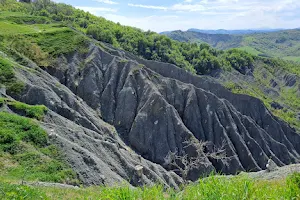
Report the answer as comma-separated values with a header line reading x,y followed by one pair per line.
x,y
166,15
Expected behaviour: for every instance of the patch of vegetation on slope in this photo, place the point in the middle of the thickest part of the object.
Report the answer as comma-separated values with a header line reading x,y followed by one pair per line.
x,y
36,111
25,153
41,43
7,77
214,187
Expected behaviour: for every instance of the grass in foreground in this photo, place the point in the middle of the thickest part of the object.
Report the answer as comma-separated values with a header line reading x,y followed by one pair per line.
x,y
212,188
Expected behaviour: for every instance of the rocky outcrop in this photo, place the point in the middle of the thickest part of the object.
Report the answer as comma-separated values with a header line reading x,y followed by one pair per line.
x,y
120,111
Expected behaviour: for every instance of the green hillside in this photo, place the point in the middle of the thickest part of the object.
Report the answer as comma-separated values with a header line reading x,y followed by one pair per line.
x,y
284,44
200,59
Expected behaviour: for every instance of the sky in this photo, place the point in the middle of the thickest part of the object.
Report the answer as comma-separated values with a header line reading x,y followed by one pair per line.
x,y
167,15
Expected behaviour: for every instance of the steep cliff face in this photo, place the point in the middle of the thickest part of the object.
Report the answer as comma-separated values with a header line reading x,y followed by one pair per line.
x,y
111,111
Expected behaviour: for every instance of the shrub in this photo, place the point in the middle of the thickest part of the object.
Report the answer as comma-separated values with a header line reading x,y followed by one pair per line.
x,y
8,79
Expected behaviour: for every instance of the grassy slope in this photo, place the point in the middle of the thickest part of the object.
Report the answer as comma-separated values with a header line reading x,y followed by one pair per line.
x,y
24,149
39,42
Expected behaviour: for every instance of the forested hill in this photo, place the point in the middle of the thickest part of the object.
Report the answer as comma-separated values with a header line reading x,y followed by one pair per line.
x,y
282,43
201,59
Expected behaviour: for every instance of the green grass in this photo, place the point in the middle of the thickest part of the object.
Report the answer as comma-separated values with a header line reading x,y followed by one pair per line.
x,y
292,58
45,44
22,18
212,188
8,28
15,23
26,154
250,50
31,111
11,29
60,42
30,36
12,191
15,129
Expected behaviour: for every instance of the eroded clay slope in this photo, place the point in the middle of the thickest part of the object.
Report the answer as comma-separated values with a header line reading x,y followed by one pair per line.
x,y
155,107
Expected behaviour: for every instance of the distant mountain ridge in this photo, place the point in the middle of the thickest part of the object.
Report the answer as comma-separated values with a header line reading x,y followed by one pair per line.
x,y
235,32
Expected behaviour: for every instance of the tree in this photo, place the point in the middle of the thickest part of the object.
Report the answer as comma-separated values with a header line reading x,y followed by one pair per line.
x,y
184,163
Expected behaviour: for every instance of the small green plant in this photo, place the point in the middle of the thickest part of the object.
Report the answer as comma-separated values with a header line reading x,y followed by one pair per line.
x,y
124,61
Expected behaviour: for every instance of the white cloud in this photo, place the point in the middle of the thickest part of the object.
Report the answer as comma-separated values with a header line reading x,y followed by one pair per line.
x,y
96,10
228,1
187,7
148,6
154,23
175,7
107,1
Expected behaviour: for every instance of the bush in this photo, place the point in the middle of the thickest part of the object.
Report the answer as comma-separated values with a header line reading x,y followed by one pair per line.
x,y
8,79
